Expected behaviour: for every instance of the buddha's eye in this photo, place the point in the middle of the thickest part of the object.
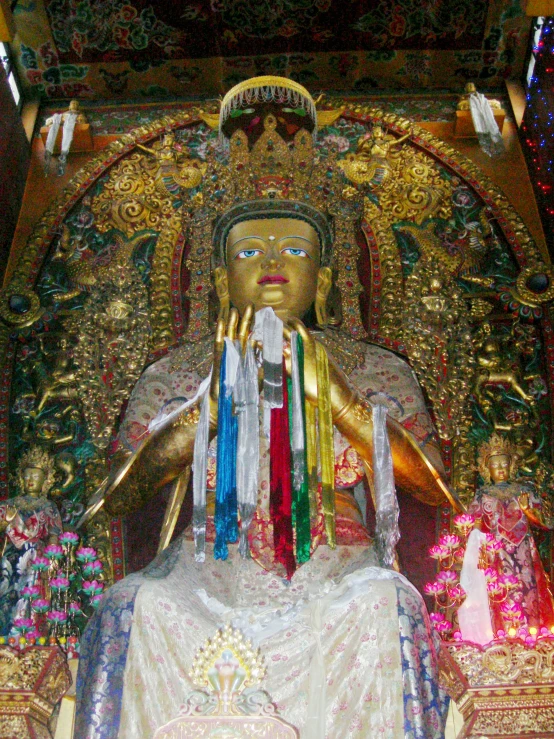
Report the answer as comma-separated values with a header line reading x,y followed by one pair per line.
x,y
247,253
295,252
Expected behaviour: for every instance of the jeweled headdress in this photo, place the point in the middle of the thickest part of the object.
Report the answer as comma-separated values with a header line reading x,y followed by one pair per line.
x,y
37,458
495,446
272,169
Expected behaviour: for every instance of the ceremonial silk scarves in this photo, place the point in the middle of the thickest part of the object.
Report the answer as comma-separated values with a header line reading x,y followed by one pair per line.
x,y
291,425
280,485
226,522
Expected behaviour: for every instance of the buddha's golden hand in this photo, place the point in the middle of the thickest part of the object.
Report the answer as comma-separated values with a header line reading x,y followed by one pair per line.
x,y
7,515
523,501
342,392
233,329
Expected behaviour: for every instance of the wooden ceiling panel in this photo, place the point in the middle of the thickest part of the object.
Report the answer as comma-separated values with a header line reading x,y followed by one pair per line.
x,y
121,48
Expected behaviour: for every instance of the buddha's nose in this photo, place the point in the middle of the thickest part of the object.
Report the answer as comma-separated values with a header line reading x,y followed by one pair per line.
x,y
272,258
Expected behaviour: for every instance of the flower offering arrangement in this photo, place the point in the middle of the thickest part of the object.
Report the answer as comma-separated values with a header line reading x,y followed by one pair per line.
x,y
67,588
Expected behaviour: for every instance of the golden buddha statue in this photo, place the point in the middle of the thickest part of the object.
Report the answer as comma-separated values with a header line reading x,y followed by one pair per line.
x,y
28,522
506,507
332,628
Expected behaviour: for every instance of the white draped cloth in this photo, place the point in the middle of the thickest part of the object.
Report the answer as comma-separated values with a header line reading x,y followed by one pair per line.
x,y
348,645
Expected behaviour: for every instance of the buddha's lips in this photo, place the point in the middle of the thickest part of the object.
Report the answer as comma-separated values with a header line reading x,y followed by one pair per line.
x,y
272,280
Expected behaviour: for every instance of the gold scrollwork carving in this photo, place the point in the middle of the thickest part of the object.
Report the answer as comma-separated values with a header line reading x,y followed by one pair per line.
x,y
390,269
509,663
529,721
438,341
112,342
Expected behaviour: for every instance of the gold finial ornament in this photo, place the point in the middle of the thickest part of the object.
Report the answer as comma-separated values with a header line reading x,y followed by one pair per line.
x,y
229,703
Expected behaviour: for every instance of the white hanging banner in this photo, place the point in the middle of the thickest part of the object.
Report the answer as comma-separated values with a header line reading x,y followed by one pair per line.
x,y
474,615
486,128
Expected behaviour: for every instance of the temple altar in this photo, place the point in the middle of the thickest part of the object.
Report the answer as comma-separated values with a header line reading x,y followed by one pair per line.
x,y
441,275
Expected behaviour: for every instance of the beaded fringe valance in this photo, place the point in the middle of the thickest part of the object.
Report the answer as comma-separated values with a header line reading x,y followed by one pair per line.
x,y
271,93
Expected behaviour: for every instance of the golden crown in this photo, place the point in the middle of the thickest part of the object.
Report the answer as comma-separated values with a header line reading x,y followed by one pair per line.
x,y
37,458
495,446
273,169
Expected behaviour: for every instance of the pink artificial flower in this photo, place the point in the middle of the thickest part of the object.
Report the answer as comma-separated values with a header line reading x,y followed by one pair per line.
x,y
434,588
59,583
23,625
491,574
457,592
40,563
438,552
511,610
509,581
40,605
494,587
86,554
69,537
58,617
30,591
93,568
464,521
447,577
493,544
92,587
53,551
450,541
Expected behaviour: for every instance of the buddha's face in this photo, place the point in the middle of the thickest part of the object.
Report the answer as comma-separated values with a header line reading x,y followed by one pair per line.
x,y
275,262
499,468
33,480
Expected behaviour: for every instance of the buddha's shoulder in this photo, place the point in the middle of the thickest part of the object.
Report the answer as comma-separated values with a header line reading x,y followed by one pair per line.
x,y
378,359
384,372
193,359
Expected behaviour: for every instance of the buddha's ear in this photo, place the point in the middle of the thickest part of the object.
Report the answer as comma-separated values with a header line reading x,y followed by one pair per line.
x,y
222,290
324,284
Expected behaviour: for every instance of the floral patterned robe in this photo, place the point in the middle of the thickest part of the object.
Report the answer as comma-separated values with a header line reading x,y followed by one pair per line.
x,y
501,515
348,645
26,536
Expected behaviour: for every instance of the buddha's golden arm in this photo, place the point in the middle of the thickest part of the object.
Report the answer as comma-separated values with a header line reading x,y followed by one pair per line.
x,y
160,459
413,471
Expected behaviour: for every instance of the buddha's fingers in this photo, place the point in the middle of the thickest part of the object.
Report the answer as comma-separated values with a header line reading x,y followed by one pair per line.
x,y
233,324
245,327
295,324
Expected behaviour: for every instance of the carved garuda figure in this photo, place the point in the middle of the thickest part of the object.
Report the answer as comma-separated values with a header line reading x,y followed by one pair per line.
x,y
280,545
